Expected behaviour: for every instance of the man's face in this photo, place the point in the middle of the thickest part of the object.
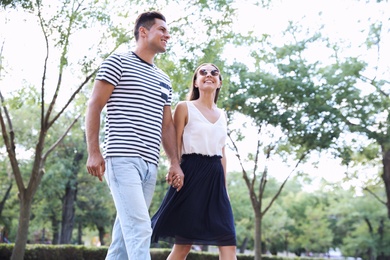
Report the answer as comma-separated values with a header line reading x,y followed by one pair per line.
x,y
158,36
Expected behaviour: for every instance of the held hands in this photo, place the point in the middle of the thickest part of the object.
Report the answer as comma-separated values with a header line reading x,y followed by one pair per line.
x,y
96,166
175,177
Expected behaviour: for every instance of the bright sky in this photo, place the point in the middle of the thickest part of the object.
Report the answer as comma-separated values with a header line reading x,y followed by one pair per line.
x,y
343,20
340,18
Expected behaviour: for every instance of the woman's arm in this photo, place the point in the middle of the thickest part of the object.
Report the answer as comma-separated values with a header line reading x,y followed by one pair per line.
x,y
180,119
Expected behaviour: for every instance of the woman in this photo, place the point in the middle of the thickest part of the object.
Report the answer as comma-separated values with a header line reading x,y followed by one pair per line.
x,y
200,213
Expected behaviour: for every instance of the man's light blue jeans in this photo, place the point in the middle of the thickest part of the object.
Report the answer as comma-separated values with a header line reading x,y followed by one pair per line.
x,y
132,182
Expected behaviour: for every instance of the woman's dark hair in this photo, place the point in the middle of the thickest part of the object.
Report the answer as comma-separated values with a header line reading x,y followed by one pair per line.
x,y
146,20
194,91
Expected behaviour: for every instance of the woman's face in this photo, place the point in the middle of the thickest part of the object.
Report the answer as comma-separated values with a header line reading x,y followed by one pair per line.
x,y
208,77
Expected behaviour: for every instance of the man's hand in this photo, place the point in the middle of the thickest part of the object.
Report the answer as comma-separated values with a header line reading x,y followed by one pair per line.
x,y
96,165
175,177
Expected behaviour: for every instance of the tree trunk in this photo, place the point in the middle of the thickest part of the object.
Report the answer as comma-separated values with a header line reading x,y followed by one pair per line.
x,y
80,234
55,229
101,235
258,237
43,237
22,233
69,201
68,213
243,245
286,243
386,178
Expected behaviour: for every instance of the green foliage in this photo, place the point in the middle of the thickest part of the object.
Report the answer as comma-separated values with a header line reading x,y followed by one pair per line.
x,y
242,211
8,203
161,185
365,226
309,238
276,229
26,4
310,229
49,252
311,103
35,252
95,208
315,104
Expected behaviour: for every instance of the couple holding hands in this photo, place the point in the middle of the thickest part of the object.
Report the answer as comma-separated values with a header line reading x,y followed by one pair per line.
x,y
137,95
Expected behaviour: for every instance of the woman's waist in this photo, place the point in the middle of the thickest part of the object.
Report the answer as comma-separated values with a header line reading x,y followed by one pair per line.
x,y
201,156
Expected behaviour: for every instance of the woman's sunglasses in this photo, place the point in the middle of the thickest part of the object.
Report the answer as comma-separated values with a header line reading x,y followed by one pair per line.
x,y
204,72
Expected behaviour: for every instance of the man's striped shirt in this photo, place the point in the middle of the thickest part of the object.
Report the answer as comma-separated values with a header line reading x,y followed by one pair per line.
x,y
135,109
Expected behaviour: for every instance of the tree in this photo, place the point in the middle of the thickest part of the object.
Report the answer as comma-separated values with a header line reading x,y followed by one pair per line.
x,y
27,4
357,221
316,236
57,31
60,29
95,209
6,186
312,103
283,104
59,188
279,226
256,182
361,101
7,194
243,215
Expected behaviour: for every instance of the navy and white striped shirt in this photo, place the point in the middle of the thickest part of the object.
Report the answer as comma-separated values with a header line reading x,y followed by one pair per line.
x,y
135,108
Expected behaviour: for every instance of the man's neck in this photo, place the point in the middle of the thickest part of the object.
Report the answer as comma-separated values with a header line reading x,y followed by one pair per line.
x,y
145,55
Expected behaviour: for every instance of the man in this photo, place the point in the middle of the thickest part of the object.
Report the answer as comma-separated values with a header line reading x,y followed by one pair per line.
x,y
137,95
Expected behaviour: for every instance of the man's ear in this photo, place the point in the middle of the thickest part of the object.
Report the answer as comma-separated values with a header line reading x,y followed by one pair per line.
x,y
142,31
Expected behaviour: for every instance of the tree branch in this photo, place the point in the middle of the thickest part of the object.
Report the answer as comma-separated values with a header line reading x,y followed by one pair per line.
x,y
2,203
358,128
284,183
252,194
86,80
256,166
9,141
375,196
263,181
44,67
373,83
44,156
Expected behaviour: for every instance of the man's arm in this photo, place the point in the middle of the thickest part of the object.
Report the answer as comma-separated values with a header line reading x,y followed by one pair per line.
x,y
100,94
175,175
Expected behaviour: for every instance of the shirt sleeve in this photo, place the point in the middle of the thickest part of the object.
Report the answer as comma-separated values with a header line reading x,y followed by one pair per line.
x,y
111,70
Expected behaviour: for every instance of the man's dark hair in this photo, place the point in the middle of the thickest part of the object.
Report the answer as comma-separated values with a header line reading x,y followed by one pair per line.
x,y
146,20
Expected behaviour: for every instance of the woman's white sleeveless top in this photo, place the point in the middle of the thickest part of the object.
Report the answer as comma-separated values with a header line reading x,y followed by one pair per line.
x,y
200,136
